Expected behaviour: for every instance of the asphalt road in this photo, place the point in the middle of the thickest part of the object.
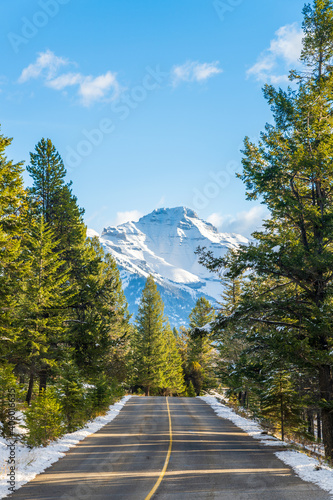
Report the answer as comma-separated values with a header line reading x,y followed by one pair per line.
x,y
210,459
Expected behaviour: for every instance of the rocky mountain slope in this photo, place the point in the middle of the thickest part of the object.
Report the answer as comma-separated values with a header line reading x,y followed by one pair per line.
x,y
163,244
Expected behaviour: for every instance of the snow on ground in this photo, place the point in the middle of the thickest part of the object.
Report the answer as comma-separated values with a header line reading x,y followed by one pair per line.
x,y
249,426
307,468
30,462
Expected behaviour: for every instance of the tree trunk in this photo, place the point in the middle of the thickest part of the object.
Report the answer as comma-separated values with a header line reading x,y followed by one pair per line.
x,y
282,418
310,420
147,391
42,380
325,387
318,426
29,393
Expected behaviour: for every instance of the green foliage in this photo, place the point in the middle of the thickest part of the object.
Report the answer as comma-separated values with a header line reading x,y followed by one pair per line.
x,y
286,305
190,390
44,299
173,372
281,404
7,398
102,395
48,172
44,419
156,361
202,314
149,347
201,355
63,314
12,206
73,397
196,376
100,328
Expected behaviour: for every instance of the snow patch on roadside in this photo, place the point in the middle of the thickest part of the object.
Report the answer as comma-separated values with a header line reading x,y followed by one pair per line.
x,y
249,426
30,462
307,468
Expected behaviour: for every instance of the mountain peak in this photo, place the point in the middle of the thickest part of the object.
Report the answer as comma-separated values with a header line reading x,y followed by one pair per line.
x,y
172,214
163,244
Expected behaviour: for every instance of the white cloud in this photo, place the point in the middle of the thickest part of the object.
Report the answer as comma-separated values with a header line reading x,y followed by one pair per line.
x,y
96,89
46,64
216,219
242,223
90,89
193,71
288,43
132,215
285,49
65,80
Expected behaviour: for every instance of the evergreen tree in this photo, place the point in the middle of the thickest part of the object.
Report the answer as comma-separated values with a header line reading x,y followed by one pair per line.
x,y
200,352
48,172
100,320
97,317
290,169
150,353
43,303
73,397
55,201
190,390
173,375
231,294
12,207
281,403
202,314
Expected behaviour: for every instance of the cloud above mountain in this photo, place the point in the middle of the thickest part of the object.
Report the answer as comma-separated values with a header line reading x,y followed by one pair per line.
x,y
245,222
129,216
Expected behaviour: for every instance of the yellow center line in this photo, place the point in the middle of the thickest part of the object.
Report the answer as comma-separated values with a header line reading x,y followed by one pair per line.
x,y
158,482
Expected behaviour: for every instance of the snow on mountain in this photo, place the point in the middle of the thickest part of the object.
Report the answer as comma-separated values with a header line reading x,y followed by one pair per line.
x,y
163,244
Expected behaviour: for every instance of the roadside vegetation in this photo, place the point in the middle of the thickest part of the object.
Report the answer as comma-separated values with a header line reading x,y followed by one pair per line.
x,y
275,328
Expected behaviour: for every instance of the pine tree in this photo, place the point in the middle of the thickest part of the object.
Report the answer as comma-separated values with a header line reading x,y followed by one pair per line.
x,y
173,373
290,169
54,200
100,319
149,346
190,390
120,329
48,172
202,314
200,351
43,303
97,317
280,403
232,344
12,207
231,294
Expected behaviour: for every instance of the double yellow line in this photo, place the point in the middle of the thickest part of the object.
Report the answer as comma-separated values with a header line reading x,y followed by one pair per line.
x,y
158,482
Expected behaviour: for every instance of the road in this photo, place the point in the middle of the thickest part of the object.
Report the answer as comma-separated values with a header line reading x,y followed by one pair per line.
x,y
210,459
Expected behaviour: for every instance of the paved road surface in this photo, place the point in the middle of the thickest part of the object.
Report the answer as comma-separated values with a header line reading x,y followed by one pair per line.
x,y
210,459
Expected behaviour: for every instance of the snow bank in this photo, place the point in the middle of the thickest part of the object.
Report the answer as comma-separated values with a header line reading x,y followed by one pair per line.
x,y
30,462
249,426
307,468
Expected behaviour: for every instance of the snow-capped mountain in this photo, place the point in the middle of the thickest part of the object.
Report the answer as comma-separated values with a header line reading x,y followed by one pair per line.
x,y
163,244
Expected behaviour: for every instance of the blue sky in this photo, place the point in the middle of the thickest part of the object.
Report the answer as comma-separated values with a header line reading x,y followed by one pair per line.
x,y
147,101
